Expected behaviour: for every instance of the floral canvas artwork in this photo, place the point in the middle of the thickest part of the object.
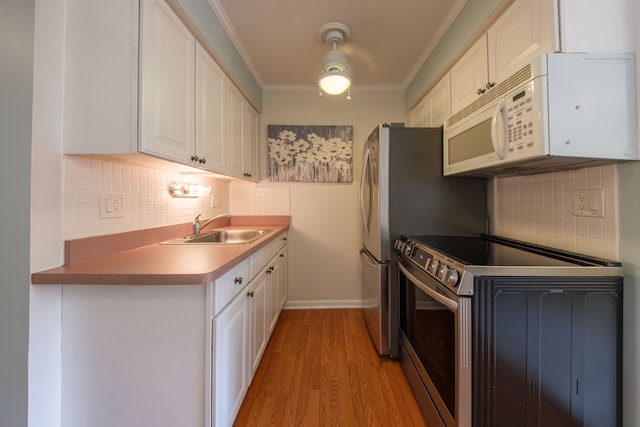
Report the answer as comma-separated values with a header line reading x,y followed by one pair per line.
x,y
310,153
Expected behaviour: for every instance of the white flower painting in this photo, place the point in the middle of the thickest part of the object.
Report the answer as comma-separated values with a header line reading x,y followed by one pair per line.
x,y
310,153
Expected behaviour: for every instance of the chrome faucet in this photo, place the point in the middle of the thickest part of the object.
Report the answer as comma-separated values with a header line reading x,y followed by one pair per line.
x,y
197,228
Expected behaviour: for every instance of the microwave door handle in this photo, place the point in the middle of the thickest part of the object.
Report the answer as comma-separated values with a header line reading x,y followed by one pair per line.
x,y
499,131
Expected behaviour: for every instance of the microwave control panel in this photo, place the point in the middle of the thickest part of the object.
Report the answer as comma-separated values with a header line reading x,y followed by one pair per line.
x,y
521,121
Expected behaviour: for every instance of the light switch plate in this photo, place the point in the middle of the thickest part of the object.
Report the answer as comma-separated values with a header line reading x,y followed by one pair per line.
x,y
111,205
589,203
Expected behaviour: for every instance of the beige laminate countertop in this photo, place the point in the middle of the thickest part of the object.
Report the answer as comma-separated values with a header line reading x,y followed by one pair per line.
x,y
155,264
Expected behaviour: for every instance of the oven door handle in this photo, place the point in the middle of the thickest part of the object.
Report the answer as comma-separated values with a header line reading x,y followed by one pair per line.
x,y
433,293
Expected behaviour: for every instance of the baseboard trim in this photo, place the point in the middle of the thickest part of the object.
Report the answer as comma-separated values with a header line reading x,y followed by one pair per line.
x,y
311,304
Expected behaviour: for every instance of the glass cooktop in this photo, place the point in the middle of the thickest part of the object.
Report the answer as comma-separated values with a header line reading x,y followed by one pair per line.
x,y
488,250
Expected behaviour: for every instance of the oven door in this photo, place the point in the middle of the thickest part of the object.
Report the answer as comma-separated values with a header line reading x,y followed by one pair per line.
x,y
435,333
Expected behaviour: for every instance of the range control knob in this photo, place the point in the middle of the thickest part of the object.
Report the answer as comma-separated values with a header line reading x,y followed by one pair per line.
x,y
451,278
442,271
399,245
433,266
408,250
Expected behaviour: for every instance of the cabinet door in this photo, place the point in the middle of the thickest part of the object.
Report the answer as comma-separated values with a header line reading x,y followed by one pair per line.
x,y
101,71
252,148
439,102
418,115
166,84
211,87
230,353
550,357
596,26
272,303
597,378
524,31
509,384
553,354
235,132
258,303
283,279
469,76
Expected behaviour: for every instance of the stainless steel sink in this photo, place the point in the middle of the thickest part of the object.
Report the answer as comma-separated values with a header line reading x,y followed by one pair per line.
x,y
220,237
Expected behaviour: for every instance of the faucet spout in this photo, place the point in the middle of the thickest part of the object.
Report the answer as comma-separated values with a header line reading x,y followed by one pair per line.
x,y
197,228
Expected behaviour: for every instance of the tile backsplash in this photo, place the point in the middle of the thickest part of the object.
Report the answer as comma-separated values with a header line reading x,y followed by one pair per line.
x,y
146,200
535,208
539,209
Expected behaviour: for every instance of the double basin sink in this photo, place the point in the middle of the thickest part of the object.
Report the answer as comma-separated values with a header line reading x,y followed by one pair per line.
x,y
220,237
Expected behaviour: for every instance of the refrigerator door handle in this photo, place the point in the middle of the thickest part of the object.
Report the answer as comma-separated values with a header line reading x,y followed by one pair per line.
x,y
368,259
366,217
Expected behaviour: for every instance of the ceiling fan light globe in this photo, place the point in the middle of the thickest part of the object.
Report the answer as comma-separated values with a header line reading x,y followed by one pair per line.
x,y
334,83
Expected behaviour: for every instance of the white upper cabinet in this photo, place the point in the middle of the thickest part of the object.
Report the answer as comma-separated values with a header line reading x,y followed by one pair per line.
x,y
211,102
100,111
439,102
235,132
242,136
529,28
469,75
435,107
418,115
596,26
167,84
252,148
523,32
138,81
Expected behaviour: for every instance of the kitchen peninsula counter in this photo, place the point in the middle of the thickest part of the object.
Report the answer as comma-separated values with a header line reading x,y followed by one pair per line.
x,y
138,258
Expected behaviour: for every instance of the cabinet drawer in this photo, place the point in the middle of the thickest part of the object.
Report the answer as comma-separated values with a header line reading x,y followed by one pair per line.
x,y
260,259
229,285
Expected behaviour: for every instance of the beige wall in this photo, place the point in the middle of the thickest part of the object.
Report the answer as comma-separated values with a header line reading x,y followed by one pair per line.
x,y
324,238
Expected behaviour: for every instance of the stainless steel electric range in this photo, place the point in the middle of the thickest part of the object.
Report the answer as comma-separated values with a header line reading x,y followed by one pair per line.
x,y
453,291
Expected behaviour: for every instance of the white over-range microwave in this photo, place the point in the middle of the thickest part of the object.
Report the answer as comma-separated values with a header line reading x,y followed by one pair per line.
x,y
560,111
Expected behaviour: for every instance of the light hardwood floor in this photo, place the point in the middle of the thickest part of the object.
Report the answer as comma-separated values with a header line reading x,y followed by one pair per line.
x,y
320,368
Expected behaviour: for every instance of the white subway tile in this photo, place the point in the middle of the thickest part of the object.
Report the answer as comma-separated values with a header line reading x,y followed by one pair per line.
x,y
539,209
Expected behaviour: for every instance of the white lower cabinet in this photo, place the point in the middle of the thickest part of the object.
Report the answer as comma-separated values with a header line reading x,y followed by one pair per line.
x,y
276,283
258,314
229,343
182,355
267,292
256,289
133,355
231,329
283,278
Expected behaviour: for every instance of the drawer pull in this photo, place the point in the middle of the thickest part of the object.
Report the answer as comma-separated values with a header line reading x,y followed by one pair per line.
x,y
238,280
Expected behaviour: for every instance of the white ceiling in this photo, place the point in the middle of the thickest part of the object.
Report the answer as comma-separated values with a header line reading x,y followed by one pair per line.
x,y
280,41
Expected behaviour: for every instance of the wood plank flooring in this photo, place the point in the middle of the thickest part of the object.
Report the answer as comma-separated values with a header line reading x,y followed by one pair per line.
x,y
320,368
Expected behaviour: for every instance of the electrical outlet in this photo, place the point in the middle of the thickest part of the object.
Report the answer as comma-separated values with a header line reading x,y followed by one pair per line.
x,y
111,205
588,203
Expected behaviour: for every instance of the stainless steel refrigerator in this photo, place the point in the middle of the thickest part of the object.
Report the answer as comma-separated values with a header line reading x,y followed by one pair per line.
x,y
403,191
